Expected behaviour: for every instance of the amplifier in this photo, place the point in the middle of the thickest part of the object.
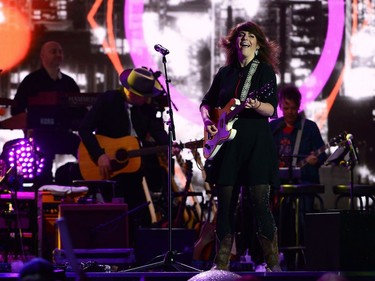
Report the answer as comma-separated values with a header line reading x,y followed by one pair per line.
x,y
96,226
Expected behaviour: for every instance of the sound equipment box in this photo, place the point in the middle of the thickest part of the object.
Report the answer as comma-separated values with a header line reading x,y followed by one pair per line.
x,y
48,207
96,226
340,241
18,211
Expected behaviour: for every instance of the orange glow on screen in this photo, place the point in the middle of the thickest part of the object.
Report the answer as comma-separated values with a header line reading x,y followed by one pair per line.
x,y
15,37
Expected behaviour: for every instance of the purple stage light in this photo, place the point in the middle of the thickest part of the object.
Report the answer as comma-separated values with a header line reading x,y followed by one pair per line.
x,y
26,159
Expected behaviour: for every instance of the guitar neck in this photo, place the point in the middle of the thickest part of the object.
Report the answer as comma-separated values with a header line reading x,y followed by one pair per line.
x,y
317,152
252,95
147,150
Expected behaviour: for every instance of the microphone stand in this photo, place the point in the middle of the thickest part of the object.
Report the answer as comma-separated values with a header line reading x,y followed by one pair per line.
x,y
169,261
353,160
339,157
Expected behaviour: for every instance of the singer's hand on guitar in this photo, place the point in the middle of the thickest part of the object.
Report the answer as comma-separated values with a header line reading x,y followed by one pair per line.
x,y
210,127
252,103
104,164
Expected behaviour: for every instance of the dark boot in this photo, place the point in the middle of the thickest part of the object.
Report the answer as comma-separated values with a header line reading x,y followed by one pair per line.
x,y
223,253
270,252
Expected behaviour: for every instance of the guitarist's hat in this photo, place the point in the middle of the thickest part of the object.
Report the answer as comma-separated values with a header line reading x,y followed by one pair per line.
x,y
141,82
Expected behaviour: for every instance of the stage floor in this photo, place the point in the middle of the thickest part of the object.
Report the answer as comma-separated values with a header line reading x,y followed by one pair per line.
x,y
184,276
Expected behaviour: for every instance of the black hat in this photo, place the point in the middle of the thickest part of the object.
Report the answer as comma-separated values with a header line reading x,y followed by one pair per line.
x,y
141,82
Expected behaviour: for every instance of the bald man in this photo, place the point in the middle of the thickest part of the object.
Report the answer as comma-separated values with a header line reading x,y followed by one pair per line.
x,y
48,79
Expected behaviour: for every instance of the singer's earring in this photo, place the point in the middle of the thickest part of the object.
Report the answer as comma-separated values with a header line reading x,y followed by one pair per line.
x,y
256,51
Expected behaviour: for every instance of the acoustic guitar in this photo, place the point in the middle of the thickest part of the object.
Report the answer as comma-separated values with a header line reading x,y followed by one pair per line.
x,y
125,154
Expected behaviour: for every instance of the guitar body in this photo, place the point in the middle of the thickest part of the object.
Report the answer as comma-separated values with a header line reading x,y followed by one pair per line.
x,y
120,152
204,246
212,144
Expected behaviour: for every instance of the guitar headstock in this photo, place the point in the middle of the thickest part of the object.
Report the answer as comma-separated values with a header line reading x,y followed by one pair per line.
x,y
188,167
192,144
339,139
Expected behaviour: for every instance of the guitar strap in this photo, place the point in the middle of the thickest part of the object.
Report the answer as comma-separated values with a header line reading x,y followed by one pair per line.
x,y
298,142
246,86
128,108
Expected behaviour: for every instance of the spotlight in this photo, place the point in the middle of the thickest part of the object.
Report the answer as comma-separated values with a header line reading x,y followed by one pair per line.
x,y
26,158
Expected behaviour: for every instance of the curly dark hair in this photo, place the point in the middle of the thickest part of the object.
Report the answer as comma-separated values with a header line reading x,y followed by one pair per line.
x,y
269,51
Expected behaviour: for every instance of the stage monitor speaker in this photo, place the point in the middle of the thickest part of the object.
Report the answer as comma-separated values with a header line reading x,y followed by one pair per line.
x,y
340,241
154,242
96,226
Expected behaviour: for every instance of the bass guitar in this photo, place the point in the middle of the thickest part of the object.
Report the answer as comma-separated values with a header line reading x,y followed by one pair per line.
x,y
224,119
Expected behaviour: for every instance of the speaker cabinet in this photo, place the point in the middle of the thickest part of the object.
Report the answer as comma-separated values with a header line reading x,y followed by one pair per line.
x,y
96,226
340,241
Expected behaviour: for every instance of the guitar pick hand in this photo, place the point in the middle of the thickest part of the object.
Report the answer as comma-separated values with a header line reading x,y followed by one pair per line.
x,y
252,103
104,163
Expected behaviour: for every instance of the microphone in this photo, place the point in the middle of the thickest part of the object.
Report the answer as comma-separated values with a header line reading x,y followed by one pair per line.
x,y
349,139
159,48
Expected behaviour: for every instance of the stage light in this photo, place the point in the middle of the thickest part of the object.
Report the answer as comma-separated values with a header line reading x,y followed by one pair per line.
x,y
26,159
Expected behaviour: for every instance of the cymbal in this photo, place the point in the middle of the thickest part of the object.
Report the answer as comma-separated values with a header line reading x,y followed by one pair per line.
x,y
7,102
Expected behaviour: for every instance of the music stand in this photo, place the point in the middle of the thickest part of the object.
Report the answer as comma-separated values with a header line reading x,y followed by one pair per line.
x,y
169,260
346,155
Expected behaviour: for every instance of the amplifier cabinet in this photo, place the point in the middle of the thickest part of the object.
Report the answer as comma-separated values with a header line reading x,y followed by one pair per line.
x,y
96,226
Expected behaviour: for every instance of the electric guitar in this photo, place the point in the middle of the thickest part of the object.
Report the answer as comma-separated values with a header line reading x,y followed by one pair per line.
x,y
224,119
125,154
337,140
